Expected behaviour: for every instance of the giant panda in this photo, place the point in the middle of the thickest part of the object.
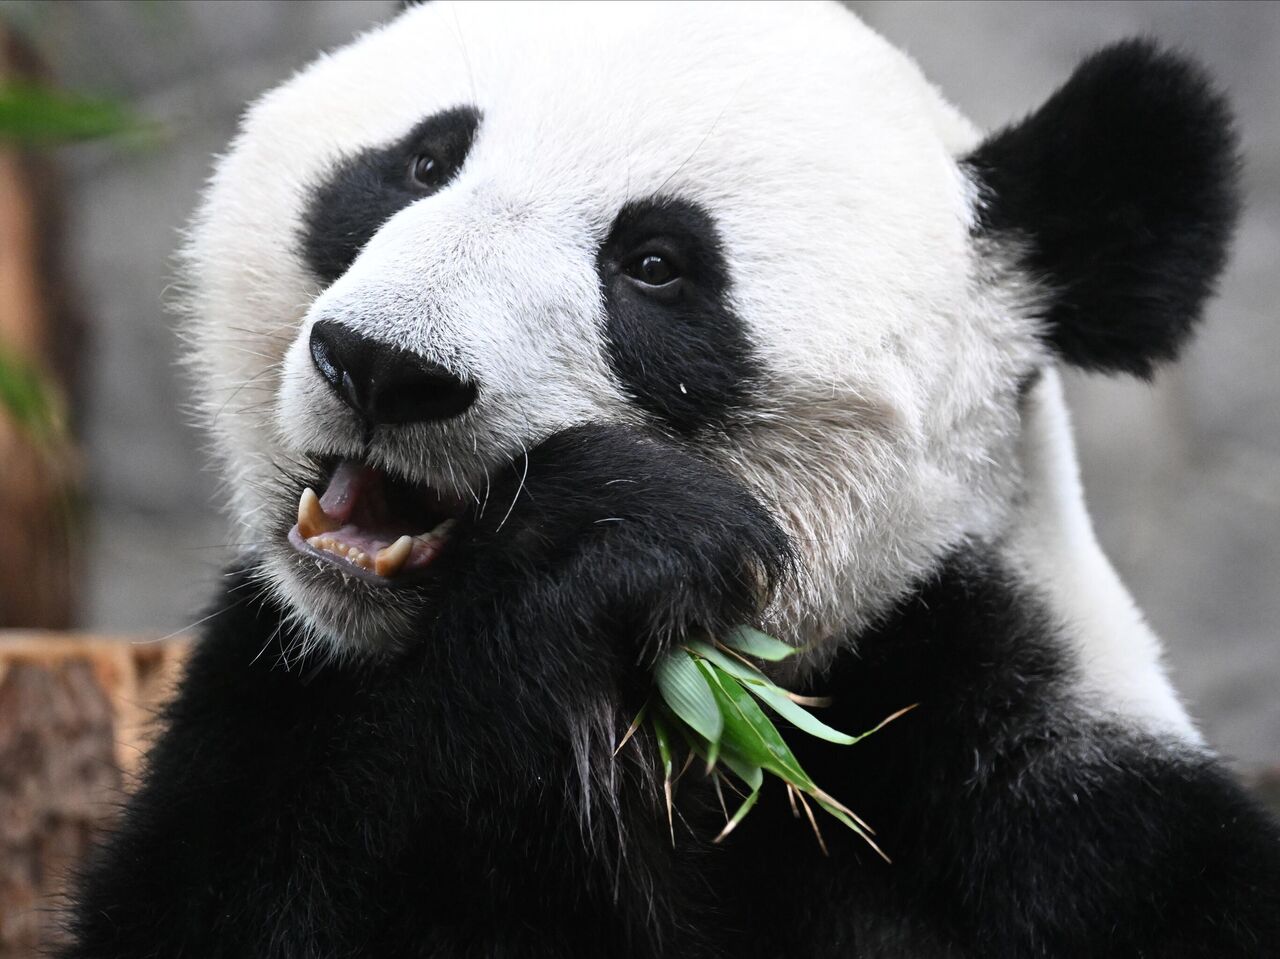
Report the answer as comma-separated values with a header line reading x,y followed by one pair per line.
x,y
532,337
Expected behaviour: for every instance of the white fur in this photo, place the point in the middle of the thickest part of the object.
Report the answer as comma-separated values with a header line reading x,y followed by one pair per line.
x,y
1117,654
889,431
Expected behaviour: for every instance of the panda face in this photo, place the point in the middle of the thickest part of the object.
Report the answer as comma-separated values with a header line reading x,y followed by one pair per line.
x,y
741,229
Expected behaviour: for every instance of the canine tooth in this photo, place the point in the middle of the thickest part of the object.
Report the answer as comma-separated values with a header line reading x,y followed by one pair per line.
x,y
441,531
312,519
391,559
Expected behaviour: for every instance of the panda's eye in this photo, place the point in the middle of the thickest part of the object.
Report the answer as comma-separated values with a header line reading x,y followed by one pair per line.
x,y
652,269
426,171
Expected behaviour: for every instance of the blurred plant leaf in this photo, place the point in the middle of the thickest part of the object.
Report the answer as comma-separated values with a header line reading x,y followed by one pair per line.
x,y
40,116
30,399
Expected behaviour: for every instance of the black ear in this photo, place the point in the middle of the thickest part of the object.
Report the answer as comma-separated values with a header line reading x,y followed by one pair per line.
x,y
1120,197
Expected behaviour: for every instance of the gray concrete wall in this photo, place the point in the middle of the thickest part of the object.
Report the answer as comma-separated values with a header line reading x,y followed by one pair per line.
x,y
1183,474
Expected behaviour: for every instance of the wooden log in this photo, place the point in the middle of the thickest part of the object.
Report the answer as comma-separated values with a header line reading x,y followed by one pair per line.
x,y
75,716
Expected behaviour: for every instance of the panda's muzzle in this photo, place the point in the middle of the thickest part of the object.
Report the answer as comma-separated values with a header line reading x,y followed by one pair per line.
x,y
369,523
374,526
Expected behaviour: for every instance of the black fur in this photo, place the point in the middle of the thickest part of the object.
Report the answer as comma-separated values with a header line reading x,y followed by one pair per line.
x,y
367,189
1019,825
458,799
686,360
1121,196
439,803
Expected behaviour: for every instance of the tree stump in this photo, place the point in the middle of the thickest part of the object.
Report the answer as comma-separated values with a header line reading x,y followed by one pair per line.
x,y
75,715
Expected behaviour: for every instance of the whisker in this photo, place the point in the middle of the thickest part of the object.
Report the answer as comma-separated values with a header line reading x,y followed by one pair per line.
x,y
519,489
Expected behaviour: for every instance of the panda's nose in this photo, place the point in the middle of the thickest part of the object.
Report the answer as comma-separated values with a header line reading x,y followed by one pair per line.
x,y
383,383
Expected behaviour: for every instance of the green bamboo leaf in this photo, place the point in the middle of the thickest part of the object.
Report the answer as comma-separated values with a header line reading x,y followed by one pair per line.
x,y
713,749
798,716
736,668
738,738
748,772
745,740
40,115
29,397
684,688
842,814
772,695
662,738
741,813
749,732
752,642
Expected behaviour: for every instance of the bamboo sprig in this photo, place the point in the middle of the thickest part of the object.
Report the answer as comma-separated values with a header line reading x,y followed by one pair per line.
x,y
709,693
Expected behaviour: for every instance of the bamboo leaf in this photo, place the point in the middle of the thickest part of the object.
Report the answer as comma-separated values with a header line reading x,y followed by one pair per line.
x,y
798,716
713,748
741,813
885,722
631,730
749,732
840,814
752,642
684,688
736,668
41,116
748,772
813,822
663,740
29,397
773,696
713,694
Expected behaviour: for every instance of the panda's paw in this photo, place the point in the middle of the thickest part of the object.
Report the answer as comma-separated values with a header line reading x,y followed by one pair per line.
x,y
625,534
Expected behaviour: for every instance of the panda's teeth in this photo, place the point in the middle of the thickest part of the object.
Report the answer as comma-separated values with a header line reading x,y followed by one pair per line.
x,y
388,561
443,530
391,559
312,519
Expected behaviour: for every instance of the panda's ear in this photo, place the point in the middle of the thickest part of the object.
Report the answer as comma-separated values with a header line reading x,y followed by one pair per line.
x,y
1120,196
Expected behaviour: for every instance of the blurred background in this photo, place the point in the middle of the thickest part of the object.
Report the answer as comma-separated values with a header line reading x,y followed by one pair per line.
x,y
101,471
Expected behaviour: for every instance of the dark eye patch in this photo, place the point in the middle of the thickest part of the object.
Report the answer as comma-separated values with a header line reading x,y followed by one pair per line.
x,y
677,346
368,188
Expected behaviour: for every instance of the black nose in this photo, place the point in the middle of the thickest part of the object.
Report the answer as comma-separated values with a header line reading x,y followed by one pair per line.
x,y
384,383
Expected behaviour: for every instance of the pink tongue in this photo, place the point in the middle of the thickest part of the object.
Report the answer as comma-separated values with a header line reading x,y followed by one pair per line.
x,y
349,481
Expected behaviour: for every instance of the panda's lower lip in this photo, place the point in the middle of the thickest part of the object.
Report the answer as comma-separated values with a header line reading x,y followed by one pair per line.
x,y
337,551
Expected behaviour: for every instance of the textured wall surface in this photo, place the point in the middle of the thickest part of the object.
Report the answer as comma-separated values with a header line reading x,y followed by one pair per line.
x,y
1183,474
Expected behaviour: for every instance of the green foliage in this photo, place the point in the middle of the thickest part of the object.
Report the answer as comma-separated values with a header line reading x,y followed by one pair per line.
x,y
33,115
38,116
710,695
30,399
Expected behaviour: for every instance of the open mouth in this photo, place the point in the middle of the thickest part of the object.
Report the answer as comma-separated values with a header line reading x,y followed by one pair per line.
x,y
374,526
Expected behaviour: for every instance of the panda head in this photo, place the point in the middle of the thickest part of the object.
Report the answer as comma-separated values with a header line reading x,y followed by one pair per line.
x,y
754,232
